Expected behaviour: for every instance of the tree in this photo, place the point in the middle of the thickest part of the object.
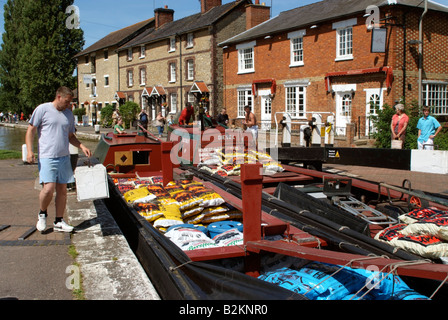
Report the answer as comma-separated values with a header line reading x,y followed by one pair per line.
x,y
40,50
129,112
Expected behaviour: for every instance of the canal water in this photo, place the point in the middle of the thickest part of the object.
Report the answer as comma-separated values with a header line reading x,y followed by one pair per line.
x,y
14,138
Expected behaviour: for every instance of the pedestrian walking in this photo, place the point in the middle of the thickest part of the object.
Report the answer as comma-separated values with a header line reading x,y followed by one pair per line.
x,y
398,125
160,123
54,123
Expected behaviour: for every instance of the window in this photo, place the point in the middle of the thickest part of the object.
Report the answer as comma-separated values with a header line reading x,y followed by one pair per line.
x,y
190,40
296,101
190,69
173,102
435,95
344,39
106,81
129,54
86,59
345,43
142,76
346,110
106,54
172,72
296,39
172,44
142,52
244,99
191,98
130,78
246,62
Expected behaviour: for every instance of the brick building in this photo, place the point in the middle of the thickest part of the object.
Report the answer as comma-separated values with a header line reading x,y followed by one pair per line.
x,y
179,61
324,58
97,68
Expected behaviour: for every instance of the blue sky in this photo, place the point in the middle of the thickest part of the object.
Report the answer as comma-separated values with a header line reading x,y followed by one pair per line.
x,y
101,17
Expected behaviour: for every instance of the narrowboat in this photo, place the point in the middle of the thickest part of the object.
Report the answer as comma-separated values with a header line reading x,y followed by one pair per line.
x,y
276,228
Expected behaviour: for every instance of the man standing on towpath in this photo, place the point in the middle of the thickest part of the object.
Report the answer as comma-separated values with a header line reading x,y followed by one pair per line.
x,y
54,124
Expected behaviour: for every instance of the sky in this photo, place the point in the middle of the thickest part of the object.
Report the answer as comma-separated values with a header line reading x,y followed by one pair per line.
x,y
101,17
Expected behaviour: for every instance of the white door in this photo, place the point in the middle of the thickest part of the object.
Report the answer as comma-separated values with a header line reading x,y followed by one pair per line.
x,y
266,109
374,102
343,111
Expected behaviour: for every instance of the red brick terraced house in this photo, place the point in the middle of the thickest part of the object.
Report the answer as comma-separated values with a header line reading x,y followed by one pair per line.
x,y
341,58
179,61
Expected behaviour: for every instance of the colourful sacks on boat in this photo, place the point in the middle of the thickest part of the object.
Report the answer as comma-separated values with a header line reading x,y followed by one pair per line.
x,y
150,211
231,237
391,233
171,216
434,225
141,195
189,239
418,214
426,245
315,281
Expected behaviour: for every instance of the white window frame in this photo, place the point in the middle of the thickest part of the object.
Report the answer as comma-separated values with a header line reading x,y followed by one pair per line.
x,y
106,81
172,44
246,57
190,40
435,96
173,103
106,54
130,54
190,69
344,39
296,45
130,78
142,52
245,97
296,105
172,72
142,77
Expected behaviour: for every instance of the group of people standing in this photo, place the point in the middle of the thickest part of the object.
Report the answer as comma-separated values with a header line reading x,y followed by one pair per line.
x,y
428,128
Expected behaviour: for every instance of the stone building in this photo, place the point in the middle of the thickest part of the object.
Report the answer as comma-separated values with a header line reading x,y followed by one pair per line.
x,y
97,68
179,61
338,57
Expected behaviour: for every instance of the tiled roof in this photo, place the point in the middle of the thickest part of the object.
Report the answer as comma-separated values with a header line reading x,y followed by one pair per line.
x,y
118,37
318,12
184,25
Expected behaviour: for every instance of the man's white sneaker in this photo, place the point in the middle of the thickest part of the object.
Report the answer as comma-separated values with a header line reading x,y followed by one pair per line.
x,y
62,226
41,222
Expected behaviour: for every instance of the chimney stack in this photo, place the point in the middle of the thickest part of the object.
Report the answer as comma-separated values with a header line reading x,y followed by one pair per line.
x,y
257,13
163,15
207,5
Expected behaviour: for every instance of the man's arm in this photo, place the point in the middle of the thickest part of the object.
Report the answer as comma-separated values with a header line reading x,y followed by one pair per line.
x,y
74,141
29,140
437,132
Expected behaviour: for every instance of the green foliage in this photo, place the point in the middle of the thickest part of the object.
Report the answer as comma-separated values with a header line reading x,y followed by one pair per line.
x,y
383,134
79,112
37,53
106,116
128,112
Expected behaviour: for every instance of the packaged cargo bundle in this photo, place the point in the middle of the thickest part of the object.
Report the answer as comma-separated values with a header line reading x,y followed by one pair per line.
x,y
208,197
161,194
123,188
434,225
150,211
321,281
231,237
156,180
138,195
191,212
189,239
391,233
229,170
171,216
427,246
417,214
186,199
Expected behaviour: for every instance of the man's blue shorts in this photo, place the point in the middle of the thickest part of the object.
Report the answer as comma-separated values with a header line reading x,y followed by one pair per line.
x,y
58,170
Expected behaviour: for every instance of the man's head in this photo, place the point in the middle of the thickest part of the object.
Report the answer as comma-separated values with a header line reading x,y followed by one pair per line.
x,y
63,99
247,109
188,106
223,111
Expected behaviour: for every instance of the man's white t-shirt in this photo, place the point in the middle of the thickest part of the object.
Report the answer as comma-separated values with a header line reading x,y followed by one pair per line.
x,y
53,127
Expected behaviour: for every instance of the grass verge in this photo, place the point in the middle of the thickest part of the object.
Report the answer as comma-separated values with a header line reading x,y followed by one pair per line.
x,y
10,154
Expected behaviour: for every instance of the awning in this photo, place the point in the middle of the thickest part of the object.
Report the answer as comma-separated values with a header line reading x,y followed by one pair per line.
x,y
119,95
257,82
387,70
157,91
147,92
199,87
